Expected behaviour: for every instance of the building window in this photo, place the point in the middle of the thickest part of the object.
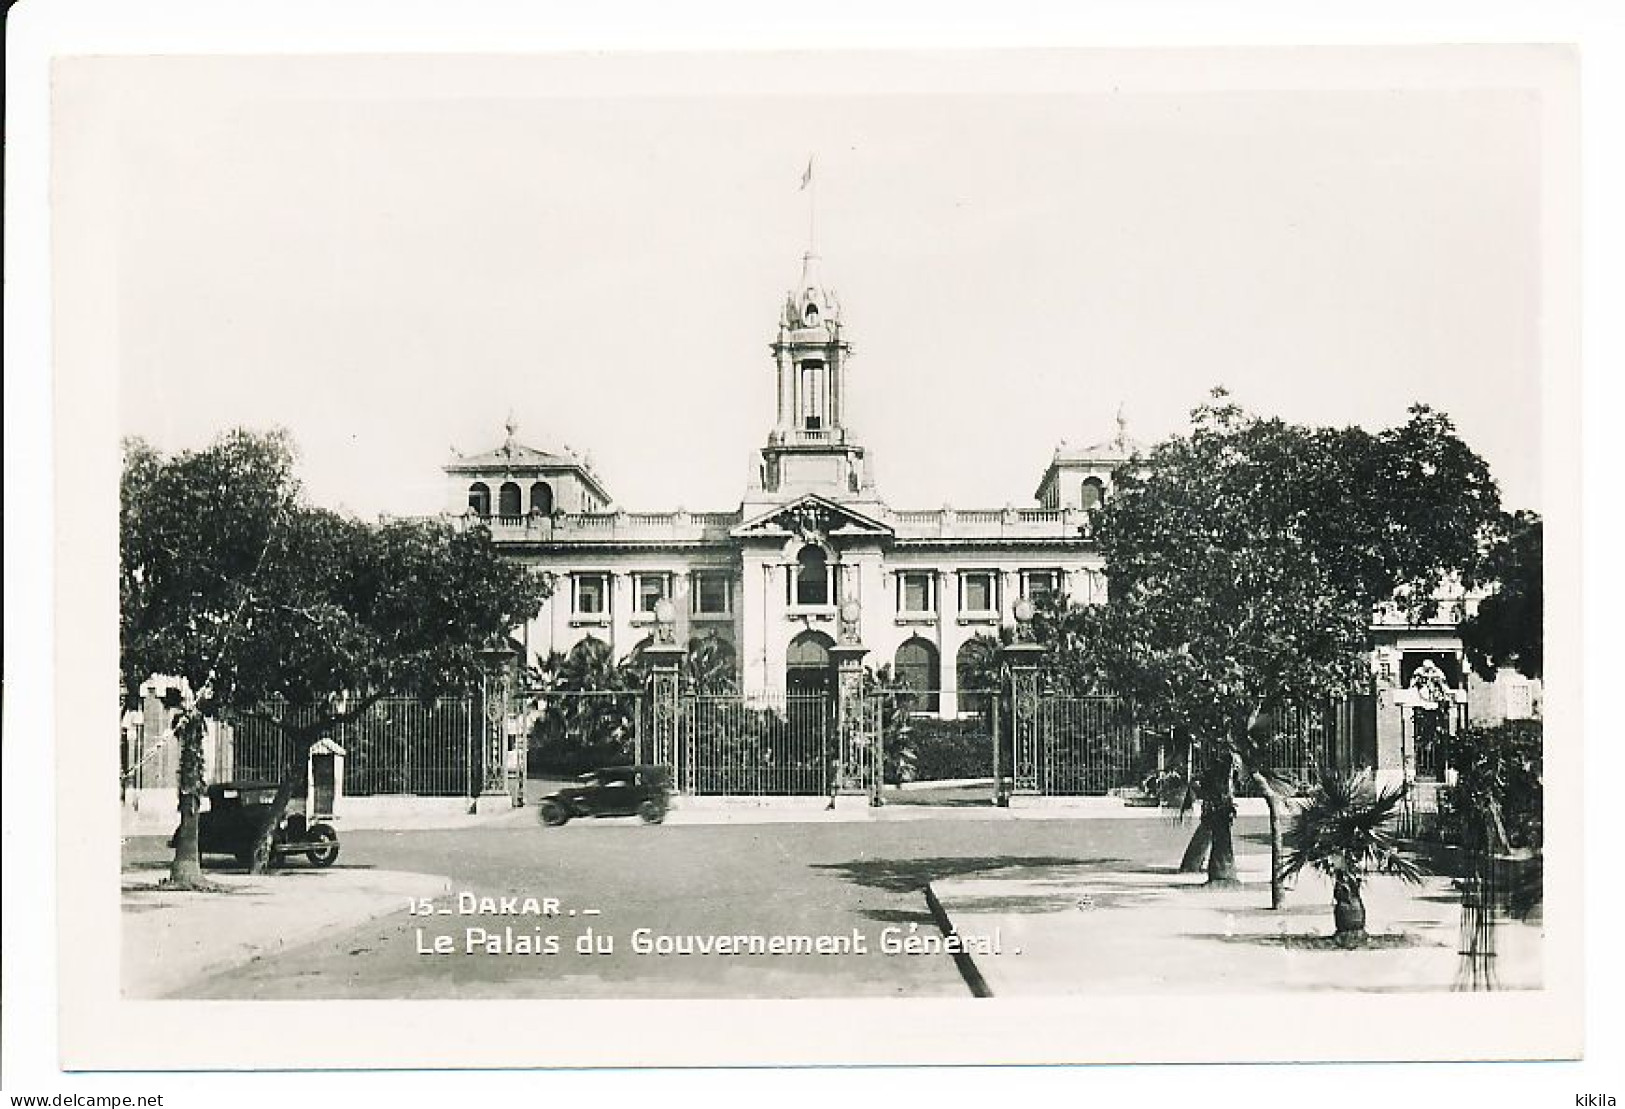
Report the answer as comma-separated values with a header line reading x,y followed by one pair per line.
x,y
541,498
591,594
978,591
1093,494
812,395
917,592
810,582
479,499
916,665
651,589
1039,584
712,593
508,499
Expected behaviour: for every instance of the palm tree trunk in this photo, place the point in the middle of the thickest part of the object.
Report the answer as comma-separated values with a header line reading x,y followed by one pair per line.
x,y
1194,860
1272,801
1219,816
1348,910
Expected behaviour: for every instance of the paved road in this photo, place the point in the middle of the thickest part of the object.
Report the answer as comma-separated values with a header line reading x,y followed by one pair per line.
x,y
768,880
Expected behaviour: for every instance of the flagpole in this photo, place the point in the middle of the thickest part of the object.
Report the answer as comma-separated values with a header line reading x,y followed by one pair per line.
x,y
812,208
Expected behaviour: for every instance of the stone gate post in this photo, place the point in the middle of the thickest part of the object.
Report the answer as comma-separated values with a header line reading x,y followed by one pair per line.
x,y
857,739
665,662
1021,663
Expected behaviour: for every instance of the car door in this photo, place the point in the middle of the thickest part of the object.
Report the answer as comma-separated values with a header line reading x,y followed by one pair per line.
x,y
616,796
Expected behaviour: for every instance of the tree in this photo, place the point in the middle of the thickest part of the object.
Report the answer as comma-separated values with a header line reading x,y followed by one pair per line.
x,y
587,702
346,613
1244,561
1508,628
710,666
195,531
234,585
1344,828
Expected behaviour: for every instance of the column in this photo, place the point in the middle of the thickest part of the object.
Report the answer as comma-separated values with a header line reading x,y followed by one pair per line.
x,y
622,637
947,648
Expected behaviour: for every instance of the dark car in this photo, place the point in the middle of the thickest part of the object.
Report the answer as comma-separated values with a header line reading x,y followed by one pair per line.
x,y
641,791
236,811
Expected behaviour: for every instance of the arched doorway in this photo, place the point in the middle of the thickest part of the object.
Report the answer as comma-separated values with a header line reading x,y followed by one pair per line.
x,y
807,667
916,664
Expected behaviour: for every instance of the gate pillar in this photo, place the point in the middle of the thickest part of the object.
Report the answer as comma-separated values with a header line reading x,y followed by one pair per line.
x,y
665,661
858,736
1021,662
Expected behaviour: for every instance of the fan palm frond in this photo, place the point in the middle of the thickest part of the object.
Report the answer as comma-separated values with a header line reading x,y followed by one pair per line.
x,y
1345,828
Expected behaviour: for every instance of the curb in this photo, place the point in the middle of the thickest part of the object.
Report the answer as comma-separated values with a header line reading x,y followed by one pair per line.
x,y
968,969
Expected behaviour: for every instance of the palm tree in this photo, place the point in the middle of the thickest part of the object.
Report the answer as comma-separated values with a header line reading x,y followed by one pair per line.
x,y
1344,828
710,665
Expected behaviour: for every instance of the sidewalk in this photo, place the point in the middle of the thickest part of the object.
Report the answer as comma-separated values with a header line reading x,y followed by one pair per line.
x,y
156,815
172,937
1068,930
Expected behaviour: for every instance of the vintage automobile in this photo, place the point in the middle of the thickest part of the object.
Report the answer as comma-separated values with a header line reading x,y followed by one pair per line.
x,y
641,791
235,813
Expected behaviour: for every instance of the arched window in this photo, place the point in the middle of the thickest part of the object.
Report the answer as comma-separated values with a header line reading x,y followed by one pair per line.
x,y
916,664
977,668
812,577
1093,493
479,499
508,499
812,394
541,498
806,663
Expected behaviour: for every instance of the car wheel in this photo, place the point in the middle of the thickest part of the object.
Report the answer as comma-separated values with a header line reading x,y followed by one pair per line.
x,y
327,854
553,814
652,812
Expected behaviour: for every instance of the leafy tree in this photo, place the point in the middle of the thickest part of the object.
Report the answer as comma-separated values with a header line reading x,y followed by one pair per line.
x,y
1244,560
1508,628
348,613
195,532
233,584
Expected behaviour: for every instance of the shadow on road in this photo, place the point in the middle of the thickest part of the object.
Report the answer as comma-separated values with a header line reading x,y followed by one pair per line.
x,y
912,875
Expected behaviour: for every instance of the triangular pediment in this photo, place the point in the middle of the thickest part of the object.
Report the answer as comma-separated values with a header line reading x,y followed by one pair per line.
x,y
811,517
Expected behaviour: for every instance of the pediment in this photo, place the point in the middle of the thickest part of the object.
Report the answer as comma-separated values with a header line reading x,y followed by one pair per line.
x,y
811,518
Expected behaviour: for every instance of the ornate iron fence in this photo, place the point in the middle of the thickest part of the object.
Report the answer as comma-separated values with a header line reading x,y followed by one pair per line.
x,y
399,745
1089,745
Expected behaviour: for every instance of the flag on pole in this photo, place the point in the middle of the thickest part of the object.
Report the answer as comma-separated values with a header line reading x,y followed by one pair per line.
x,y
806,176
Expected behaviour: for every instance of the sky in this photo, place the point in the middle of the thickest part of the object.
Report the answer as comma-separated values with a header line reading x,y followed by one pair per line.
x,y
390,257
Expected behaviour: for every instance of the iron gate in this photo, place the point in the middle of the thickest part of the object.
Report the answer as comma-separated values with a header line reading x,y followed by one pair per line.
x,y
775,743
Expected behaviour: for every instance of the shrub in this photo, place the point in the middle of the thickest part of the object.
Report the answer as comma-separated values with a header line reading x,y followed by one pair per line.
x,y
949,749
1495,801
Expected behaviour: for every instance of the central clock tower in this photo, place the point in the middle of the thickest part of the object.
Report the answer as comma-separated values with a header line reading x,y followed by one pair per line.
x,y
811,449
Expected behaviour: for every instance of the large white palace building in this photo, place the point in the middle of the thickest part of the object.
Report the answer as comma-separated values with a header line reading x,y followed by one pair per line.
x,y
812,543
814,556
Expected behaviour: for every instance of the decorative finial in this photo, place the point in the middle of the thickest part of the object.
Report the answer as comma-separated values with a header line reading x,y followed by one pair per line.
x,y
1122,427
